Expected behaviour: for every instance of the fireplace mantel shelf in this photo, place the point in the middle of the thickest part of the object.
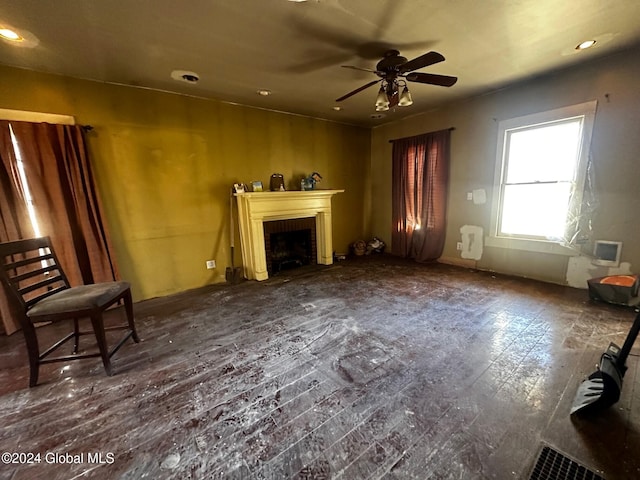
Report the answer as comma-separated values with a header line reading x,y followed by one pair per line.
x,y
254,208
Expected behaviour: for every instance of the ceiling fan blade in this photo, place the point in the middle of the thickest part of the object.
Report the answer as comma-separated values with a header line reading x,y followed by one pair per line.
x,y
319,60
422,61
432,79
344,97
359,68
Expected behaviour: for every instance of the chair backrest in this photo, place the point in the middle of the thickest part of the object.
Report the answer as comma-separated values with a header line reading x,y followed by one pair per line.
x,y
30,271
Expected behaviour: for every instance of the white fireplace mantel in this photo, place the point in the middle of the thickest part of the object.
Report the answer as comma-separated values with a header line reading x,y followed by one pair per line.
x,y
254,208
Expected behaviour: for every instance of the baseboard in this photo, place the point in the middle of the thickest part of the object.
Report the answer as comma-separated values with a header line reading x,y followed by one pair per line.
x,y
458,262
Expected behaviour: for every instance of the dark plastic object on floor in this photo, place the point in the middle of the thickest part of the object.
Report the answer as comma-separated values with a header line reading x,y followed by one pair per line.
x,y
615,289
602,388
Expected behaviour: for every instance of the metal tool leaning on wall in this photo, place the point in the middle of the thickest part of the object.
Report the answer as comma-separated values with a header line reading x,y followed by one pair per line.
x,y
232,273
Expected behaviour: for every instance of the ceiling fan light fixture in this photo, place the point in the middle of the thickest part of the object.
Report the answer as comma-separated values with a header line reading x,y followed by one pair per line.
x,y
405,98
382,100
382,108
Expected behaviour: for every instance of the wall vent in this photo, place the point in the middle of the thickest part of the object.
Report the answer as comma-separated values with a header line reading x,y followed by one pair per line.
x,y
607,253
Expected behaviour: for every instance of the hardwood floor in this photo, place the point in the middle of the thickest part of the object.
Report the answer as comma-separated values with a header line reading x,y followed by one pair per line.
x,y
374,368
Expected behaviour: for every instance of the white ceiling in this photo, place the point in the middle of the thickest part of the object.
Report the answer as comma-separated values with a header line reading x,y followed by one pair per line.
x,y
296,49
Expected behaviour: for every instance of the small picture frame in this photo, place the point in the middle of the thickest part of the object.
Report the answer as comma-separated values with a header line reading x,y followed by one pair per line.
x,y
239,188
256,186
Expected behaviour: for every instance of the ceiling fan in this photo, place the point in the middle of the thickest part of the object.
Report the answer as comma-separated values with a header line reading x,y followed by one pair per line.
x,y
394,71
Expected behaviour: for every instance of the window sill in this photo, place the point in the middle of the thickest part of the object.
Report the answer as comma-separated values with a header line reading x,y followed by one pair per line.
x,y
539,246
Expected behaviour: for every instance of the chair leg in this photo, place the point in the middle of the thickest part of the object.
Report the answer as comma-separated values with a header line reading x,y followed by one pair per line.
x,y
128,305
76,335
98,329
33,350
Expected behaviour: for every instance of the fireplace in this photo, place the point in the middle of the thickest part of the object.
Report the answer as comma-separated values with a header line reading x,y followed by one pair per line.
x,y
289,244
256,210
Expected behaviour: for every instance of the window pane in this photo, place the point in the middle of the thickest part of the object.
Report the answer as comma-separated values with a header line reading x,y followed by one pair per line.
x,y
543,153
25,185
535,210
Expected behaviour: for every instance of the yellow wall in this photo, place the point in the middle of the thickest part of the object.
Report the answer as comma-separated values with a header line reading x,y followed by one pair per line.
x,y
165,164
613,82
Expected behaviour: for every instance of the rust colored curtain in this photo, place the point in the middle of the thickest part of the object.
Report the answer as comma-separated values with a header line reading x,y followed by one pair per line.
x,y
14,219
65,198
419,195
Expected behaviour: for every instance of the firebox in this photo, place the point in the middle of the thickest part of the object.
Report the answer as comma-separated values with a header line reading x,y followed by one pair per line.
x,y
290,243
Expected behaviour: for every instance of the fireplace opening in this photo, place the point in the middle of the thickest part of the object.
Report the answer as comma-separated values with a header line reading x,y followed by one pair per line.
x,y
289,244
290,250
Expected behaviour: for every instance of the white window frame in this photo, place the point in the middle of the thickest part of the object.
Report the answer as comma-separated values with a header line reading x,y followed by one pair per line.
x,y
36,117
585,110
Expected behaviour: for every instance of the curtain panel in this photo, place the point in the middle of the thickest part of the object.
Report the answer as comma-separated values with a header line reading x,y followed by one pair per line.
x,y
65,198
420,179
14,219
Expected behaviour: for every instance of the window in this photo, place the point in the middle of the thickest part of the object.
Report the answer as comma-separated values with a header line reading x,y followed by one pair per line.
x,y
25,185
540,173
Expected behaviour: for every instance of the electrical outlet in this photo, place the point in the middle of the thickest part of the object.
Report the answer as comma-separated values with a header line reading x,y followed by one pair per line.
x,y
459,246
469,197
211,264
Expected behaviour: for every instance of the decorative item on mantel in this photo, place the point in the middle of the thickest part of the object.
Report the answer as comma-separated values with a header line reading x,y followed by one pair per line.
x,y
309,183
276,183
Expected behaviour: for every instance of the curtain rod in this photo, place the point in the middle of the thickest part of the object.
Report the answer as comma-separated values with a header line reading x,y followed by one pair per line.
x,y
396,139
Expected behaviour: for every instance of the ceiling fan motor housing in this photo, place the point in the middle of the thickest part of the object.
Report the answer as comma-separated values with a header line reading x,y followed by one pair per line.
x,y
391,89
391,62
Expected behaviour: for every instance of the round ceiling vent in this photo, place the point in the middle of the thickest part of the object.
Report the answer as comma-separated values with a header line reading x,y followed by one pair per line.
x,y
185,76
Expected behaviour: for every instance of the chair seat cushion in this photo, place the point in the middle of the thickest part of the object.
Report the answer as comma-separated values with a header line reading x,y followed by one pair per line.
x,y
74,299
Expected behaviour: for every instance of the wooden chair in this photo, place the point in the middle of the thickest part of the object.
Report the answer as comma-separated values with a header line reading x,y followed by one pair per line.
x,y
39,291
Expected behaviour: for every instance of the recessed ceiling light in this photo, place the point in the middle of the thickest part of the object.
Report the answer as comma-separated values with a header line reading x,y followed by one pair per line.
x,y
264,93
18,37
597,41
586,44
9,34
337,108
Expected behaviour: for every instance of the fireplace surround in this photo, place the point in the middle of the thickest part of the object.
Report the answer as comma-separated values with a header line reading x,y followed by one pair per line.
x,y
255,208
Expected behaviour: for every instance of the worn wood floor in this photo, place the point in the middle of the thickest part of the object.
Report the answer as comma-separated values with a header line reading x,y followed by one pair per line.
x,y
374,368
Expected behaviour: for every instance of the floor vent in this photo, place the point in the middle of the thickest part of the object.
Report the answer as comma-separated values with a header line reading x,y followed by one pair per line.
x,y
552,465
